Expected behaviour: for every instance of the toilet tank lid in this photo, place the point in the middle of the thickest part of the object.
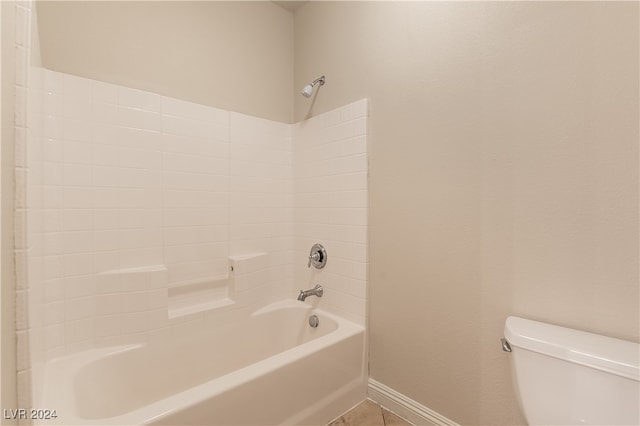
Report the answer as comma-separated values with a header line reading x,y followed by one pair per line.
x,y
604,353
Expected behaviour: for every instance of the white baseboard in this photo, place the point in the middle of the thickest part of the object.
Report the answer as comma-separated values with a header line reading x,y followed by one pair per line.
x,y
405,407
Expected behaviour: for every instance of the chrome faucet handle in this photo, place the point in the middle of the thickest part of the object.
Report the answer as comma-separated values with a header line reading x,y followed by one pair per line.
x,y
317,257
314,257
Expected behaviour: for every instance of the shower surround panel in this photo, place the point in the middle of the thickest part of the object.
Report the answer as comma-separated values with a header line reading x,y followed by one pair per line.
x,y
331,206
143,194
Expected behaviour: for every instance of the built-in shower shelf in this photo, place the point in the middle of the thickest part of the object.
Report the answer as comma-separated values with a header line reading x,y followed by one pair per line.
x,y
192,297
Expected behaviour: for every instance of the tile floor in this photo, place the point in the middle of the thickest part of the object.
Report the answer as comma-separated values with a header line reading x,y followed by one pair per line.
x,y
368,413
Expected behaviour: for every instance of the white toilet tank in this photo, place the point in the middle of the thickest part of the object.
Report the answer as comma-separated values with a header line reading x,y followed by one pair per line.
x,y
570,377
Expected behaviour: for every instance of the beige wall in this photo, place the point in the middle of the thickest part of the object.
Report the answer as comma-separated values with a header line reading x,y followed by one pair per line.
x,y
8,393
503,179
236,56
504,156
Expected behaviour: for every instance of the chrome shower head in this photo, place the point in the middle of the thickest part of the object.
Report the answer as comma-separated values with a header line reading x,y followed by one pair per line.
x,y
308,89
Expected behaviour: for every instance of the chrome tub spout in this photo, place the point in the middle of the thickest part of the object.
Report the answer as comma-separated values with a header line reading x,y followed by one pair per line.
x,y
316,291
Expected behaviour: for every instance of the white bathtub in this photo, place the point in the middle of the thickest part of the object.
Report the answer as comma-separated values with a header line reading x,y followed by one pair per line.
x,y
272,368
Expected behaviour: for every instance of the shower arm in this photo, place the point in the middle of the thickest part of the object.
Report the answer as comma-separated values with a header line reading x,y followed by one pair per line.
x,y
320,80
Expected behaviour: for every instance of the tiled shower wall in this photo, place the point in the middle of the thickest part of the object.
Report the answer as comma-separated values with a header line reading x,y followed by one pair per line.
x,y
28,219
331,206
261,204
142,194
124,196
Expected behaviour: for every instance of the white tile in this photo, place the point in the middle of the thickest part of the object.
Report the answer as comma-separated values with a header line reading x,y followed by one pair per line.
x,y
158,299
195,164
139,119
195,252
54,290
54,336
22,310
105,134
187,145
105,260
105,176
22,20
104,114
107,326
52,242
139,99
53,150
139,138
139,198
77,264
103,199
81,345
51,220
20,230
214,201
176,180
21,59
75,130
22,274
77,242
78,87
108,304
55,353
135,322
36,78
142,159
239,281
53,81
77,175
143,256
140,218
20,111
192,128
140,177
53,173
77,108
76,220
77,198
24,381
106,219
52,200
53,267
361,108
79,286
53,127
77,331
54,313
134,302
78,151
105,155
136,281
156,334
159,279
190,216
131,238
22,351
20,188
346,285
104,92
52,104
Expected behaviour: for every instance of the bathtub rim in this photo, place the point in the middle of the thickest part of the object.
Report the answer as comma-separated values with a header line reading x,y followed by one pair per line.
x,y
61,372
